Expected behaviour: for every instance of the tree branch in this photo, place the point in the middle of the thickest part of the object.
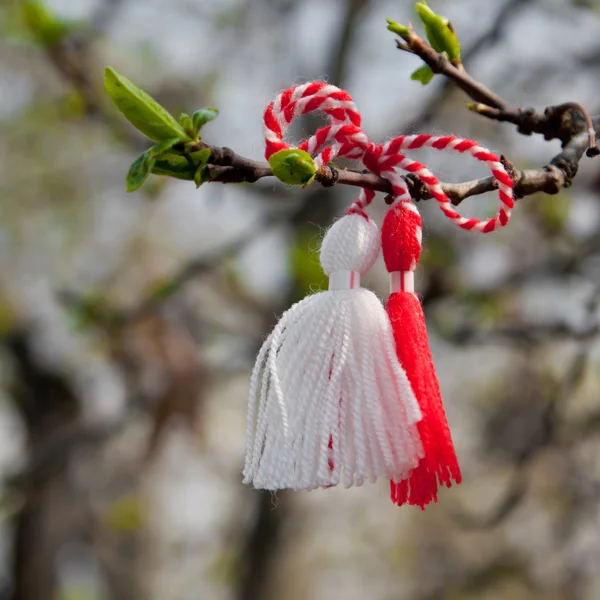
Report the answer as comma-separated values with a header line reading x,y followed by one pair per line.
x,y
569,122
561,122
226,166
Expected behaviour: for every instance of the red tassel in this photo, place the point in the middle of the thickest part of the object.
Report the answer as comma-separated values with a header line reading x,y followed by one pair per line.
x,y
401,246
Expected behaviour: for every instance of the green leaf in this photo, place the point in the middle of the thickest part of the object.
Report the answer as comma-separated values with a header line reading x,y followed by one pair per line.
x,y
397,28
198,177
200,158
423,74
294,167
439,32
139,171
143,165
162,148
140,109
174,165
202,117
46,26
186,122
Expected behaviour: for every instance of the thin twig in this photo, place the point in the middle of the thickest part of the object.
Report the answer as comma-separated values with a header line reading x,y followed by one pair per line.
x,y
553,123
488,38
441,64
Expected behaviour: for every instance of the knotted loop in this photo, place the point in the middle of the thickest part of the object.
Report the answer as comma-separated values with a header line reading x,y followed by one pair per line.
x,y
343,137
390,157
347,141
303,99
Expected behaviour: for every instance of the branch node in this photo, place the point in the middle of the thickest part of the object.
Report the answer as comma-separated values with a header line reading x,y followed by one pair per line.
x,y
528,120
402,46
510,169
416,187
558,179
568,167
327,175
222,156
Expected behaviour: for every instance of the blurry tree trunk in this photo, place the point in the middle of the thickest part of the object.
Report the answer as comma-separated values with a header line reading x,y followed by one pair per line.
x,y
33,575
46,405
55,514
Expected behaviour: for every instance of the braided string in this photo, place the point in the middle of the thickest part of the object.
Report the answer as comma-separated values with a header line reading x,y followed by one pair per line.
x,y
303,99
391,157
343,137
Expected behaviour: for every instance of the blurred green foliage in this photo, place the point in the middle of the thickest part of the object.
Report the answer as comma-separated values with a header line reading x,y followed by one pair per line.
x,y
550,212
164,290
438,253
305,265
225,568
89,310
126,514
79,592
7,316
490,307
45,25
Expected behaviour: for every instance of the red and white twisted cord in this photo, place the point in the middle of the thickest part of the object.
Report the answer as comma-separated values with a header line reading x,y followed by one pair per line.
x,y
389,157
344,138
303,99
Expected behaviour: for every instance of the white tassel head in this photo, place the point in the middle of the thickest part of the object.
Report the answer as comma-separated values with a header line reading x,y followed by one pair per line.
x,y
329,401
350,244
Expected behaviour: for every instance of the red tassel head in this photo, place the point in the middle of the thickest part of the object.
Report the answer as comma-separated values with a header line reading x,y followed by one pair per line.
x,y
401,246
401,235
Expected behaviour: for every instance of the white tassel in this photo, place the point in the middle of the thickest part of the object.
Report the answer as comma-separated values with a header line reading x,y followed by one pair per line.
x,y
329,401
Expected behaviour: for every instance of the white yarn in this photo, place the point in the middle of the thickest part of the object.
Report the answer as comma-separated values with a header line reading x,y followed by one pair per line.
x,y
351,244
329,372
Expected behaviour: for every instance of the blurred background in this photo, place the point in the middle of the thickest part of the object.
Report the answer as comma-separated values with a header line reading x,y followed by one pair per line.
x,y
129,322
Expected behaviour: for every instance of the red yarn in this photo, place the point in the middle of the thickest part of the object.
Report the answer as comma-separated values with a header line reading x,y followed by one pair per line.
x,y
401,246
